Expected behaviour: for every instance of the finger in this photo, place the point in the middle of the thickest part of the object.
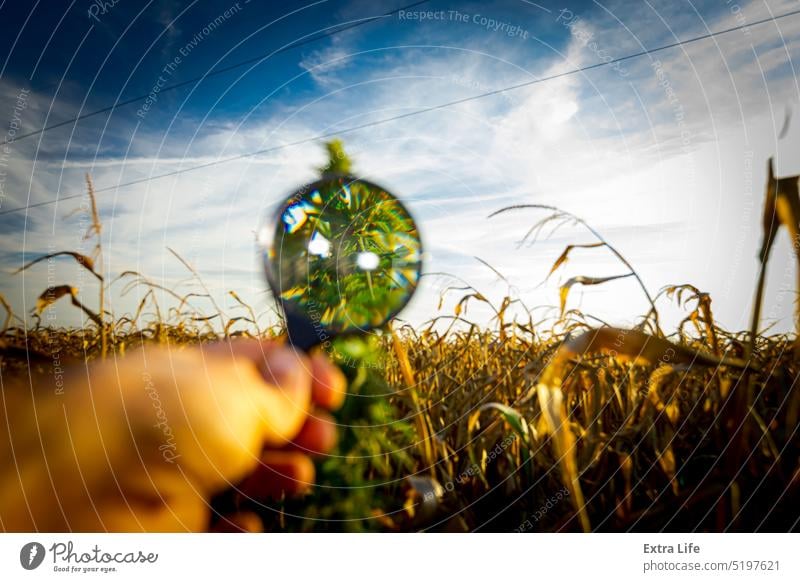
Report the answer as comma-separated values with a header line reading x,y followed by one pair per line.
x,y
329,385
259,352
318,435
280,365
279,473
265,396
285,368
288,394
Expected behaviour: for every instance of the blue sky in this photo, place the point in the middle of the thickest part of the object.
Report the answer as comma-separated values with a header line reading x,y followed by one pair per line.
x,y
665,154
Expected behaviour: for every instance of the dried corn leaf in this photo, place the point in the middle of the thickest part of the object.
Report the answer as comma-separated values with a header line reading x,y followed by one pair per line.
x,y
562,258
551,401
564,291
626,468
53,294
641,348
666,460
9,313
84,261
462,304
781,207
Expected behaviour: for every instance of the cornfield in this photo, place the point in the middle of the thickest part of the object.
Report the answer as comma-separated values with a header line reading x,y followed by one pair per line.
x,y
522,425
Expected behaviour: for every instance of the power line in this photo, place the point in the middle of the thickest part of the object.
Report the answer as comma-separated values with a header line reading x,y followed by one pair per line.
x,y
409,114
213,73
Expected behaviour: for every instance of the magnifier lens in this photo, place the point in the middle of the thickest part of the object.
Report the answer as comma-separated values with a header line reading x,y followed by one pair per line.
x,y
342,253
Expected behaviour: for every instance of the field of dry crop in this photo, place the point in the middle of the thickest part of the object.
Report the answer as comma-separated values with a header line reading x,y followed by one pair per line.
x,y
521,426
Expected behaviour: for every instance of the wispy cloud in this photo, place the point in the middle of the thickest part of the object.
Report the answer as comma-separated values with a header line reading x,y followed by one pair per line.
x,y
669,166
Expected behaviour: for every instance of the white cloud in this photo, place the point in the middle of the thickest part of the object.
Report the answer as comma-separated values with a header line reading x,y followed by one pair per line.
x,y
323,65
606,147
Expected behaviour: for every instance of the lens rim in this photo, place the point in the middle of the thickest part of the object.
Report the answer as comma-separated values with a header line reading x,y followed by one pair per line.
x,y
291,312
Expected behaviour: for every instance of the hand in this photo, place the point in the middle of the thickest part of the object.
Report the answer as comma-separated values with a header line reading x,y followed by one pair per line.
x,y
142,442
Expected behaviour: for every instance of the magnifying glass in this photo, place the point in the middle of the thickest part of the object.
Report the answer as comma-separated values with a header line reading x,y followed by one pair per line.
x,y
342,256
